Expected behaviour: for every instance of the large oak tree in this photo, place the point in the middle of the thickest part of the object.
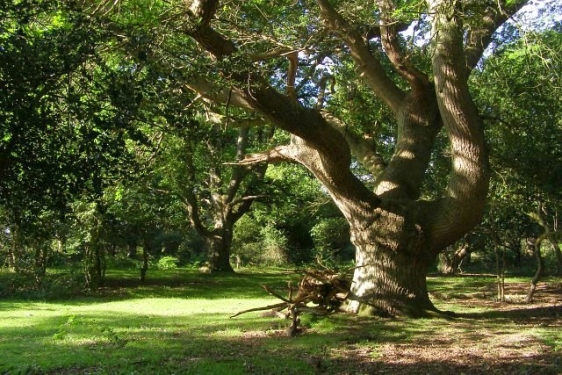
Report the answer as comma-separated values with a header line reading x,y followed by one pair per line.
x,y
270,59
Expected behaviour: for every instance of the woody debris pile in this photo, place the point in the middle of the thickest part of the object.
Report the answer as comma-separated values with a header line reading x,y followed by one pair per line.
x,y
320,292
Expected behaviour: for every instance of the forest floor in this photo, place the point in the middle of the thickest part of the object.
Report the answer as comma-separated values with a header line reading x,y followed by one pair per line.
x,y
178,323
486,338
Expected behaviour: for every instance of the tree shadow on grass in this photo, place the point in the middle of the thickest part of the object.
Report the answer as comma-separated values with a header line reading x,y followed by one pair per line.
x,y
124,341
519,314
190,284
129,342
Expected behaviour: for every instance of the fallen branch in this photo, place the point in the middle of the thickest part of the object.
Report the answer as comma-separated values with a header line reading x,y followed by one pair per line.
x,y
269,307
320,292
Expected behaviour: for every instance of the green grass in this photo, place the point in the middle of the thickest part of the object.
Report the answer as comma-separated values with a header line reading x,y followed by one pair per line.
x,y
178,323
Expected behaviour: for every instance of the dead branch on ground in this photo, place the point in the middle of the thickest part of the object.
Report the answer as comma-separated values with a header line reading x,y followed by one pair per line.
x,y
320,292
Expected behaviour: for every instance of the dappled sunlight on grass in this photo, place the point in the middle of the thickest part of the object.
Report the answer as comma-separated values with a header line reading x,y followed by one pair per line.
x,y
108,334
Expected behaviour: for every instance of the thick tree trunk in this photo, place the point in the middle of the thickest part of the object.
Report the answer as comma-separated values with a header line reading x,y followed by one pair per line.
x,y
389,283
392,261
450,260
397,234
219,247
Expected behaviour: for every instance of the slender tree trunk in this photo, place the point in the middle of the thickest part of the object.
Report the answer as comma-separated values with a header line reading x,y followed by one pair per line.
x,y
12,259
99,265
92,264
557,252
145,258
500,273
94,260
40,261
131,249
540,267
15,249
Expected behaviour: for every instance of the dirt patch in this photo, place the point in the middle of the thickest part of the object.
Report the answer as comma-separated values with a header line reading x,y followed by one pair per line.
x,y
498,338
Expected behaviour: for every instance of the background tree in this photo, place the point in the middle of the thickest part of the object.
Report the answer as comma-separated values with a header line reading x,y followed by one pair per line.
x,y
193,167
519,90
295,223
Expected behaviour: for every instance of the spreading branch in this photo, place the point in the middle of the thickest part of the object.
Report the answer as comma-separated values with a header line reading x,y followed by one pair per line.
x,y
363,148
480,37
369,67
389,36
203,11
275,155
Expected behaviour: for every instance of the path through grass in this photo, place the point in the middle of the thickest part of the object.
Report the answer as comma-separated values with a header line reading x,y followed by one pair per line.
x,y
178,323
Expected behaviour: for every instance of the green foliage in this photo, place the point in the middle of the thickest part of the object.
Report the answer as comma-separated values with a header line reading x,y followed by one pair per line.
x,y
167,263
260,244
53,286
331,241
275,246
64,104
67,113
519,91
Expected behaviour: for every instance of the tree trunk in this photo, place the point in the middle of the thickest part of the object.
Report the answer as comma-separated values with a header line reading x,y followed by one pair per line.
x,y
392,261
557,252
450,261
145,258
540,267
219,247
100,265
40,261
15,249
132,249
92,266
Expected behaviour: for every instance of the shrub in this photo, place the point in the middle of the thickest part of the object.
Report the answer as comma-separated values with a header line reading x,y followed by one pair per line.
x,y
331,240
167,263
274,246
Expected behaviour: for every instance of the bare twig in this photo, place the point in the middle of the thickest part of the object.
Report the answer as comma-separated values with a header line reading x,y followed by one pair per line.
x,y
268,307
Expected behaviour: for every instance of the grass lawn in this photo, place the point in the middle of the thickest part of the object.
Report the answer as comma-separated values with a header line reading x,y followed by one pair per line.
x,y
178,323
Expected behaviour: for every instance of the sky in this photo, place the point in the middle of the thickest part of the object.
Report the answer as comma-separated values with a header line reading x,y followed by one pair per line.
x,y
532,16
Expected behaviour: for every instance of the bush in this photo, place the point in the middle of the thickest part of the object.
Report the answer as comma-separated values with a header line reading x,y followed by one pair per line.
x,y
274,245
167,263
331,240
52,286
